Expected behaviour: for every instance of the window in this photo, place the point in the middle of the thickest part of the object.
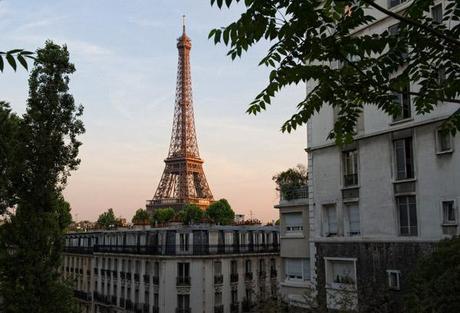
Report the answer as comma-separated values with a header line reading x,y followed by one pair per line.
x,y
248,266
436,13
330,221
404,158
183,302
443,141
407,215
403,99
293,222
233,267
448,212
353,219
217,268
392,3
393,279
402,48
350,168
183,269
234,296
183,242
156,299
340,272
261,265
297,269
218,298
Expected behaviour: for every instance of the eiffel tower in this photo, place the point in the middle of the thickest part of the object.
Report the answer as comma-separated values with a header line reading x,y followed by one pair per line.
x,y
183,180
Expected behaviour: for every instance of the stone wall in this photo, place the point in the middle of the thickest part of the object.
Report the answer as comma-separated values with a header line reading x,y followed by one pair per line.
x,y
373,261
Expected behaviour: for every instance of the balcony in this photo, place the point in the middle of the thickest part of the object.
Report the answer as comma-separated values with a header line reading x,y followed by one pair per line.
x,y
122,275
129,305
85,296
262,275
294,193
218,279
234,278
146,279
78,250
248,276
183,310
155,309
350,180
234,307
128,276
183,281
155,280
136,277
219,308
273,273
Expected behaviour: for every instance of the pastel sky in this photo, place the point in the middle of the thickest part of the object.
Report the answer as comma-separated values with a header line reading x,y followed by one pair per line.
x,y
126,60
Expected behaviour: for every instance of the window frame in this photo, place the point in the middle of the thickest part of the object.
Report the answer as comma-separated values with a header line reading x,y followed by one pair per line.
x,y
351,156
446,222
438,135
409,217
326,220
397,274
407,175
390,5
305,268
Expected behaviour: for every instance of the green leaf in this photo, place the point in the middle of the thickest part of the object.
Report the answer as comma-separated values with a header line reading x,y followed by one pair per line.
x,y
1,63
22,61
11,61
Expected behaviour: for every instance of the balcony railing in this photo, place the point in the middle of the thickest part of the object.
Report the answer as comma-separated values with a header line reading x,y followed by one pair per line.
x,y
350,180
234,307
248,276
198,249
146,279
295,193
183,310
218,279
219,308
262,274
234,277
155,309
273,273
183,281
247,305
85,296
155,280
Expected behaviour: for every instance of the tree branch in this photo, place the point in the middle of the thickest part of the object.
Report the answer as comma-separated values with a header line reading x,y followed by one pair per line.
x,y
412,22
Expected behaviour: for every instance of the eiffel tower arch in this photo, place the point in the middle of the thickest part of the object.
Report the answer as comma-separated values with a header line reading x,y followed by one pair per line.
x,y
183,180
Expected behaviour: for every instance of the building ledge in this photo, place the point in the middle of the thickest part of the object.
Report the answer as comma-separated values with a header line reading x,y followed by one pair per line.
x,y
296,284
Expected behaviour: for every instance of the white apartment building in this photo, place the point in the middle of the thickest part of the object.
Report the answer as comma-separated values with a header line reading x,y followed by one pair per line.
x,y
377,205
295,270
177,269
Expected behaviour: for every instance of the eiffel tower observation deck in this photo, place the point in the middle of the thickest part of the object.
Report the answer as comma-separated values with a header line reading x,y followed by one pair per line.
x,y
183,180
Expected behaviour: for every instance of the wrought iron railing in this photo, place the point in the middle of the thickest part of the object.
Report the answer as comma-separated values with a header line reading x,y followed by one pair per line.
x,y
198,249
183,281
295,193
350,180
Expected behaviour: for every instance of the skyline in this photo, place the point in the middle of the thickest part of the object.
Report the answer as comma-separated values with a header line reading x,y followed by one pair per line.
x,y
129,110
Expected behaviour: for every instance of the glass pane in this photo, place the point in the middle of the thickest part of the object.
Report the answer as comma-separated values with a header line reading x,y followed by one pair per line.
x,y
409,158
436,13
403,215
400,159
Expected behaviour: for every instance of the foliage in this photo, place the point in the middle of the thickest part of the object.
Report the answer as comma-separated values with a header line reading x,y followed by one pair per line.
x,y
191,214
435,284
220,212
277,222
163,215
107,219
21,56
141,217
289,181
313,42
38,151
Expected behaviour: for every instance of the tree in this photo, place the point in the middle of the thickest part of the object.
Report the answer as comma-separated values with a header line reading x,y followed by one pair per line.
x,y
21,56
289,181
41,150
434,286
141,217
107,219
220,212
163,215
313,41
191,214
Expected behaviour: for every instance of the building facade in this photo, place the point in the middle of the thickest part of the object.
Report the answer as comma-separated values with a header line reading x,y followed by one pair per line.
x,y
295,278
379,204
180,269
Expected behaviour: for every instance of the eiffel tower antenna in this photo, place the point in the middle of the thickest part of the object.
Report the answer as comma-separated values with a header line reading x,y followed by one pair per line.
x,y
183,180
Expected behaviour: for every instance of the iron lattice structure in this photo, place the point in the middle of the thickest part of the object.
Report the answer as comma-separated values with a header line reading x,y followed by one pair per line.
x,y
183,180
